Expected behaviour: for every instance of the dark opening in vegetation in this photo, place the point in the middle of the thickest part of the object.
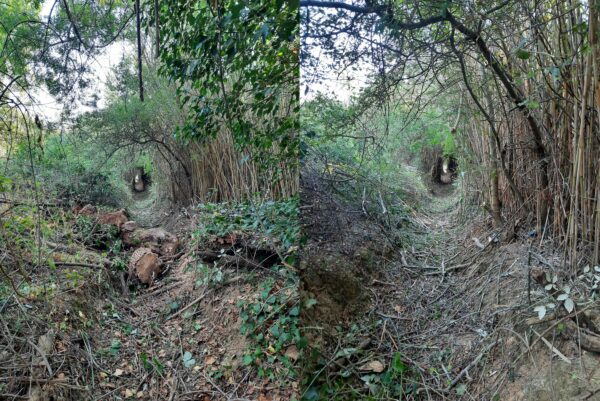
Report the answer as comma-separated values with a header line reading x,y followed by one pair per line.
x,y
139,179
444,170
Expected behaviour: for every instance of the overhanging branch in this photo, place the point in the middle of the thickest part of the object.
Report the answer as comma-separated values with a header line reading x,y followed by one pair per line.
x,y
383,12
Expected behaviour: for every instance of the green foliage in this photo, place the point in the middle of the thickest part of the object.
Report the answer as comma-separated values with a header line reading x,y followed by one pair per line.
x,y
60,46
272,322
92,26
151,364
523,54
394,383
69,169
270,318
367,153
5,183
19,35
115,347
209,276
126,120
275,221
358,134
235,65
188,360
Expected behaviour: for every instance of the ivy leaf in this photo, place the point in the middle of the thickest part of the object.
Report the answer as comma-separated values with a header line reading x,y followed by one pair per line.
x,y
188,361
311,394
159,366
309,303
523,54
569,305
541,310
397,364
302,343
555,72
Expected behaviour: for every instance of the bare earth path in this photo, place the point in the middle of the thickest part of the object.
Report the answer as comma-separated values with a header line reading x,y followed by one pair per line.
x,y
438,292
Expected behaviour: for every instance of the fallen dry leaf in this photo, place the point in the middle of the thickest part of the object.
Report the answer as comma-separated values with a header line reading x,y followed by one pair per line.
x,y
292,353
60,346
373,366
118,372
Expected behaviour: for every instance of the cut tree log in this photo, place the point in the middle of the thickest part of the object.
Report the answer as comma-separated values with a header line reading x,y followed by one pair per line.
x,y
158,239
144,265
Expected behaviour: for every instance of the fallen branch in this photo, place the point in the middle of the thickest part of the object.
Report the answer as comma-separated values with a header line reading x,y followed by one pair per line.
x,y
69,264
239,260
469,366
194,302
553,349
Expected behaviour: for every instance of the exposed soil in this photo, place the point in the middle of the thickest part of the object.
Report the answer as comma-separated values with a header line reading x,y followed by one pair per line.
x,y
343,252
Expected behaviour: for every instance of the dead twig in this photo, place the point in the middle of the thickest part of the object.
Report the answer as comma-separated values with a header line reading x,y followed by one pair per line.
x,y
194,302
473,363
71,264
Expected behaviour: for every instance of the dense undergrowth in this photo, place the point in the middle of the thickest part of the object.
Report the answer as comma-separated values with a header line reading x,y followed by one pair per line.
x,y
435,293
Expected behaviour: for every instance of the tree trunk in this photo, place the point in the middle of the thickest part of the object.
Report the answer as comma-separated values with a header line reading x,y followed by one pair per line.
x,y
139,47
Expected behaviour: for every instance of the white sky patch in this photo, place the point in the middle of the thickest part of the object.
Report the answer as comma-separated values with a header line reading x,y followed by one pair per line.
x,y
49,108
339,85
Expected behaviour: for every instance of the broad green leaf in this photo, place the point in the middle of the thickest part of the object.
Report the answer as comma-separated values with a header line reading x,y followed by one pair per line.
x,y
523,54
